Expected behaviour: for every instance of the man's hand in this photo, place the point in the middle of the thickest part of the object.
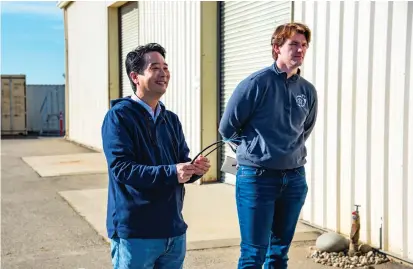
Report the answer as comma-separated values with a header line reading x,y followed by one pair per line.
x,y
185,171
201,165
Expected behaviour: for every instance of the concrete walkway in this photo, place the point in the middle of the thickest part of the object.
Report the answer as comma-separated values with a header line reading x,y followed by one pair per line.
x,y
209,211
68,164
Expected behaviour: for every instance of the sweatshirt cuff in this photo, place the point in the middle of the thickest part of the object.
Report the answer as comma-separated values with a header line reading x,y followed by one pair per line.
x,y
172,175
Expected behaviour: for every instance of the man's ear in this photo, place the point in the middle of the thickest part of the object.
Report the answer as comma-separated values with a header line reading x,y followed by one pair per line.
x,y
276,48
134,77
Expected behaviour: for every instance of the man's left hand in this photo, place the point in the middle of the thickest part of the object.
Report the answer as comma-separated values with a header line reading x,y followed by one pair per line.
x,y
201,165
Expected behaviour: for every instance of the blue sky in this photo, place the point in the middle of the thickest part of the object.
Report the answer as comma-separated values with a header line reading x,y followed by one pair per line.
x,y
32,41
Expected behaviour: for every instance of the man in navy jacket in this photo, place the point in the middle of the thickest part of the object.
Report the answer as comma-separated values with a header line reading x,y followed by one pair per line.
x,y
148,165
274,110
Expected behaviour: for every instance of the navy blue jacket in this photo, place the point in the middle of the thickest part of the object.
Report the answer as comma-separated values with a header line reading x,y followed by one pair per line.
x,y
275,115
145,198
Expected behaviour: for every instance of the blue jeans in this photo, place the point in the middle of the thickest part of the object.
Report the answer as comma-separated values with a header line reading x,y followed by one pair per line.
x,y
269,203
137,253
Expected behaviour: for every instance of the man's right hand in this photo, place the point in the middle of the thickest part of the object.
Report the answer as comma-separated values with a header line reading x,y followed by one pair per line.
x,y
185,171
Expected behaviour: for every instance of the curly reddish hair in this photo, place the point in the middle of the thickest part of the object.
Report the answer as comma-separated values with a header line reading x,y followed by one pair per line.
x,y
285,31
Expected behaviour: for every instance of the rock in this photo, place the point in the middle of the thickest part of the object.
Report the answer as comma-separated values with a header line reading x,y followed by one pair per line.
x,y
369,254
354,260
364,248
315,254
331,242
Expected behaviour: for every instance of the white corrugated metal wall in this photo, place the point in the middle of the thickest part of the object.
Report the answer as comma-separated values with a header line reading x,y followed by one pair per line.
x,y
177,29
88,70
246,30
361,150
43,101
129,39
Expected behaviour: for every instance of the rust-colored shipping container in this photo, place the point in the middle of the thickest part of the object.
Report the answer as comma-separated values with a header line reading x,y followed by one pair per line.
x,y
13,105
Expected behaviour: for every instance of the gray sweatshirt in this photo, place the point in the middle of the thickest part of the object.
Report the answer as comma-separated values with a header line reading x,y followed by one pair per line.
x,y
274,116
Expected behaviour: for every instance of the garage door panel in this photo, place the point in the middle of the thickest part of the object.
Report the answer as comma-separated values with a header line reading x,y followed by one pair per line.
x,y
129,39
246,20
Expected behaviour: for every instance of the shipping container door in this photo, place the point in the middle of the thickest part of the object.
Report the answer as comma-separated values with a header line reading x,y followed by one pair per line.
x,y
5,105
13,95
129,36
246,30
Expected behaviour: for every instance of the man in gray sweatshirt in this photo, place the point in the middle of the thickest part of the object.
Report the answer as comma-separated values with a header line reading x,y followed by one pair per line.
x,y
273,112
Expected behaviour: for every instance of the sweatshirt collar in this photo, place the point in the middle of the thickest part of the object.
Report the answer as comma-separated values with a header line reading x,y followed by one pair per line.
x,y
284,74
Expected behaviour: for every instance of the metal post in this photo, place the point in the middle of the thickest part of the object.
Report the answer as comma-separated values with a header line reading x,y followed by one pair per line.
x,y
61,123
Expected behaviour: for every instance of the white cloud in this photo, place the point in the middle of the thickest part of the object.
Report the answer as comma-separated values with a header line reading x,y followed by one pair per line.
x,y
33,8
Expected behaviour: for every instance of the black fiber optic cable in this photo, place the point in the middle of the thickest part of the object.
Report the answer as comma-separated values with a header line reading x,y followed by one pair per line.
x,y
213,144
221,142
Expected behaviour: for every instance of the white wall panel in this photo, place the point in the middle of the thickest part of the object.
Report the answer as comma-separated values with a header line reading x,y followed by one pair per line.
x,y
361,149
319,179
360,108
333,46
346,137
378,120
396,128
177,29
408,183
88,70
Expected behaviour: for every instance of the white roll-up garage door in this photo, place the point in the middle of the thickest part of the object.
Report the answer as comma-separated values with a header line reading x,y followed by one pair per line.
x,y
129,38
246,30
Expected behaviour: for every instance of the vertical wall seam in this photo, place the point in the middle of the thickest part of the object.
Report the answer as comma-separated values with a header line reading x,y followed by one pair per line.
x,y
369,123
354,104
339,110
406,169
326,106
314,67
385,231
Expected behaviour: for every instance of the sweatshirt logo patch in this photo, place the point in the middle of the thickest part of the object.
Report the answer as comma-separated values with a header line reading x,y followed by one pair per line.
x,y
301,100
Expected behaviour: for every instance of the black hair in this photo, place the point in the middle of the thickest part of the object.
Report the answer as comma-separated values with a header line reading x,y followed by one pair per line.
x,y
136,62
